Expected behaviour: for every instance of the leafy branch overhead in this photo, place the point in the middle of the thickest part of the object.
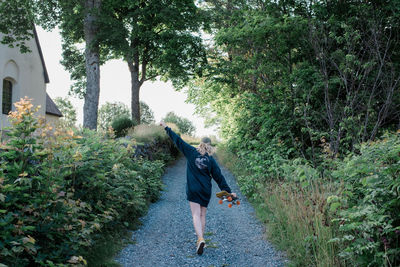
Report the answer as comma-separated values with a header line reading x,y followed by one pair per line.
x,y
155,39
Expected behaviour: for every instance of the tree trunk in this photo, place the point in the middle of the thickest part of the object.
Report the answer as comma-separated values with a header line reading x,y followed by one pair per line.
x,y
92,63
135,90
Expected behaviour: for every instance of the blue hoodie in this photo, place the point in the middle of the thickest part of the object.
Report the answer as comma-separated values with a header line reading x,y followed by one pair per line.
x,y
200,170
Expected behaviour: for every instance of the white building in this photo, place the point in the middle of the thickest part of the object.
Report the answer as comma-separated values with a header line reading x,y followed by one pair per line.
x,y
24,75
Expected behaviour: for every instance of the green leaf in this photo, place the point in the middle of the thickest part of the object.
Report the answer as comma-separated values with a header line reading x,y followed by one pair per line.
x,y
334,206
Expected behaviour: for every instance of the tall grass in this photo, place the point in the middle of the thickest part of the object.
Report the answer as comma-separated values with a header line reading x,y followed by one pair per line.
x,y
193,140
146,133
296,219
298,224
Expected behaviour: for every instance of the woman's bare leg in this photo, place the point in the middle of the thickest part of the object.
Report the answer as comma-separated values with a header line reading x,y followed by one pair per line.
x,y
196,214
203,211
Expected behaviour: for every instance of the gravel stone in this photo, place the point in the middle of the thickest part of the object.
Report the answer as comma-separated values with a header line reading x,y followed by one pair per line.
x,y
234,237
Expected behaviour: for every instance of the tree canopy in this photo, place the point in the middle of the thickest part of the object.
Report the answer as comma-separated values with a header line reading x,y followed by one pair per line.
x,y
184,125
155,39
303,91
68,111
111,111
302,73
79,26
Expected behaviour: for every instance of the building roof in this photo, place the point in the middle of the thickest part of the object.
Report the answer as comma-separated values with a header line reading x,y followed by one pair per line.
x,y
45,74
51,107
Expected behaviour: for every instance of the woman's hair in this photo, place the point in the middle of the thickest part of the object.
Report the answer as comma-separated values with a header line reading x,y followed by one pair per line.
x,y
204,148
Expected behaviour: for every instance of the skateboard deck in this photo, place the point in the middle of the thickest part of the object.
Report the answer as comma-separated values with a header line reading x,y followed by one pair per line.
x,y
225,196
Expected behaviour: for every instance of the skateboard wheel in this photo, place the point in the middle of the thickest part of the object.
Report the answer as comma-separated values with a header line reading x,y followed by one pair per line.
x,y
238,202
230,205
229,198
220,201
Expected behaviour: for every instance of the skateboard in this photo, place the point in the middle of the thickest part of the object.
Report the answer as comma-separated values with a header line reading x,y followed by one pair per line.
x,y
225,196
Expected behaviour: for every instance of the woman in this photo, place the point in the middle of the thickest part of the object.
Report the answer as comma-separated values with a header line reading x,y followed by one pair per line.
x,y
201,167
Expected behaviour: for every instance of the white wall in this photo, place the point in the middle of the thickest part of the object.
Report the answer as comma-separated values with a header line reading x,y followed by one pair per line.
x,y
26,73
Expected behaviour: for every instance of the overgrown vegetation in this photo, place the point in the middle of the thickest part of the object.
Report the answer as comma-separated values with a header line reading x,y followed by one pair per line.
x,y
302,90
345,217
62,192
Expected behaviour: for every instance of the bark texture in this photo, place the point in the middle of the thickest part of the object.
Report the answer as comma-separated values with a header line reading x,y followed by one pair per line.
x,y
135,90
92,57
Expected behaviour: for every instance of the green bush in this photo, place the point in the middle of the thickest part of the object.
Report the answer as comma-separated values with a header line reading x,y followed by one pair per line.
x,y
369,219
121,125
345,212
61,192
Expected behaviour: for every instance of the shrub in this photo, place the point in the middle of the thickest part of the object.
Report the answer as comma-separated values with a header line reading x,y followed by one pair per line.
x,y
343,213
292,204
121,125
60,192
369,220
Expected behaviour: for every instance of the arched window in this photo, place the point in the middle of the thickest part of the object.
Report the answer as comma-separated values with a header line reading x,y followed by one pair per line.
x,y
7,96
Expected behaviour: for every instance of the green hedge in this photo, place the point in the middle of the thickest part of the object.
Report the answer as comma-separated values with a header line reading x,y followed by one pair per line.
x,y
60,191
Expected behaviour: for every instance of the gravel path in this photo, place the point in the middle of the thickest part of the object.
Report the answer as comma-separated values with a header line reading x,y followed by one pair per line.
x,y
234,236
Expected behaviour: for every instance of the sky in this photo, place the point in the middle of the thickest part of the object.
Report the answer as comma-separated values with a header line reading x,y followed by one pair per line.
x,y
115,86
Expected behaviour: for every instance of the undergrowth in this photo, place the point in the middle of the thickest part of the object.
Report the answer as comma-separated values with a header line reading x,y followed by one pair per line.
x,y
67,195
346,215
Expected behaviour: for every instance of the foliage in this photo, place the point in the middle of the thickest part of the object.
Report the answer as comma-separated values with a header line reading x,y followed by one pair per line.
x,y
296,87
68,111
146,114
185,126
60,192
369,204
344,213
316,77
155,38
110,111
14,24
163,41
121,125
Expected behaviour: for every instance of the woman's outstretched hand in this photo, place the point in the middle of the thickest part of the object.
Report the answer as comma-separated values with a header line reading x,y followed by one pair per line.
x,y
162,123
234,194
